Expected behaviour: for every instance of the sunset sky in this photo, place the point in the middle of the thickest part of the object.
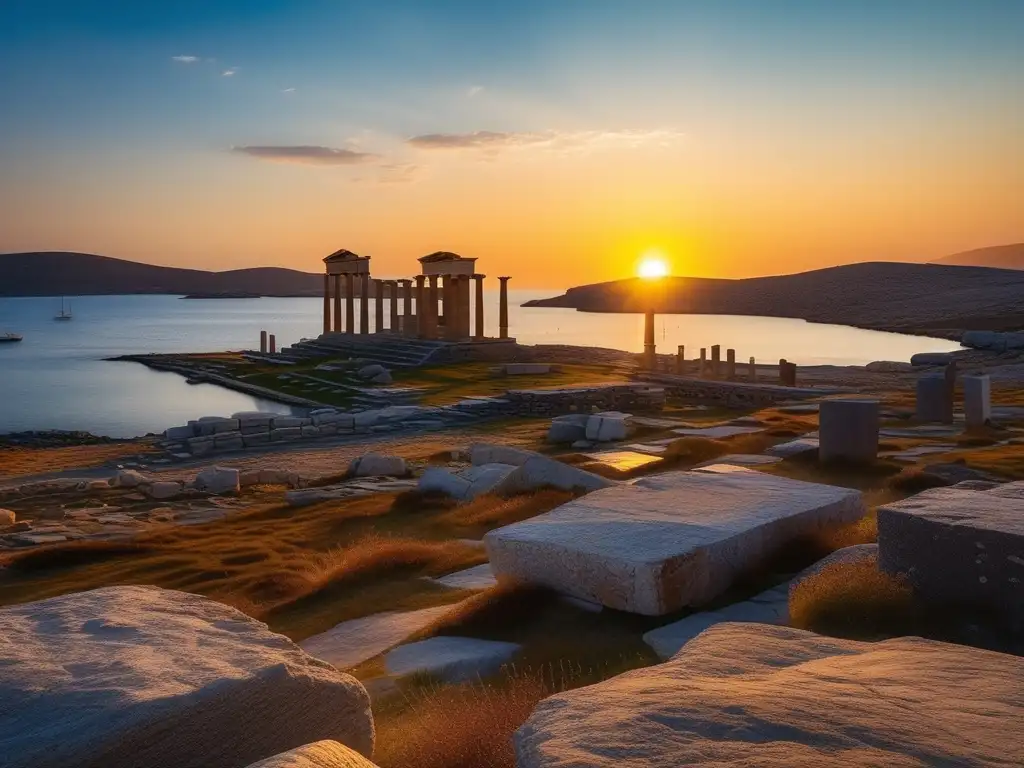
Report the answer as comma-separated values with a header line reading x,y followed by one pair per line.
x,y
557,140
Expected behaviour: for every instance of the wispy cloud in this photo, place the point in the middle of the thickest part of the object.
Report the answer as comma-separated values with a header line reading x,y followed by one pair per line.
x,y
306,155
399,173
288,90
495,141
229,72
474,90
185,59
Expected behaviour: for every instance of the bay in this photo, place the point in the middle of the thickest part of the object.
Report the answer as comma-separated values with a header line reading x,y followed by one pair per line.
x,y
57,378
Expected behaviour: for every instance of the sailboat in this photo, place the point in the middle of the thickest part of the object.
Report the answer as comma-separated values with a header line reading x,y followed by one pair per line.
x,y
9,337
64,314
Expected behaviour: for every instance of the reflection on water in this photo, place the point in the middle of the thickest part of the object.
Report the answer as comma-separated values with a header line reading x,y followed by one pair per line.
x,y
57,379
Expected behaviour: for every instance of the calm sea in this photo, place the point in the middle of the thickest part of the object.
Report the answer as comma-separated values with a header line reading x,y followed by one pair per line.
x,y
57,377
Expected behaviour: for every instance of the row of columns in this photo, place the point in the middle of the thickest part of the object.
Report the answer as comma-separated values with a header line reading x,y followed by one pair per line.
x,y
453,294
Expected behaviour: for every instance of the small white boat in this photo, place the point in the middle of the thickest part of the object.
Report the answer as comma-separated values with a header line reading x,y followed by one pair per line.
x,y
9,337
64,315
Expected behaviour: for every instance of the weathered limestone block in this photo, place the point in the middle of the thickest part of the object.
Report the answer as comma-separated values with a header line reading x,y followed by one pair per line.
x,y
129,478
164,489
933,399
212,425
440,480
568,429
137,676
248,477
959,547
285,434
931,358
666,541
373,464
756,695
609,425
848,430
793,447
286,422
200,445
217,480
310,431
228,441
485,453
320,754
179,434
260,438
977,400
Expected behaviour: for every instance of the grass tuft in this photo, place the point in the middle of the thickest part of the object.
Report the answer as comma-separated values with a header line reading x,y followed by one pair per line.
x,y
915,480
854,600
68,555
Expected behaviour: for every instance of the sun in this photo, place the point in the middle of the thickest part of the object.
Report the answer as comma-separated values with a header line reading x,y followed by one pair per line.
x,y
652,267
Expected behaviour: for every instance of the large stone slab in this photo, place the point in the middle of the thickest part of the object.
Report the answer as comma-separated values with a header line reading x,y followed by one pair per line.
x,y
666,541
537,470
848,430
477,577
958,546
721,432
351,643
319,754
139,676
756,695
452,659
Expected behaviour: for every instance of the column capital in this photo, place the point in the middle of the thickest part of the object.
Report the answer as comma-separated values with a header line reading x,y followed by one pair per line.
x,y
507,277
478,276
420,279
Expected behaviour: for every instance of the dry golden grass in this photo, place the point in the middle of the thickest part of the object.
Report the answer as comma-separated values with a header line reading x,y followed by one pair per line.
x,y
854,600
912,480
19,462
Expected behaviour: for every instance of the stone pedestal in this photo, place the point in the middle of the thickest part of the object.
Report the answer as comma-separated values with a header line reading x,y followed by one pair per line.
x,y
787,373
752,372
933,399
681,359
350,303
977,400
716,359
730,364
848,430
364,304
263,341
503,308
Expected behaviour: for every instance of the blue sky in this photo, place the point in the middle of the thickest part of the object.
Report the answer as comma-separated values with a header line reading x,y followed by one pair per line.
x,y
105,104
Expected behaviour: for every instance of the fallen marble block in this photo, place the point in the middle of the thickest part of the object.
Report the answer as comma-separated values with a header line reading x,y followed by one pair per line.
x,y
666,541
793,447
608,426
958,547
218,480
137,676
758,695
375,465
164,489
538,470
477,577
450,659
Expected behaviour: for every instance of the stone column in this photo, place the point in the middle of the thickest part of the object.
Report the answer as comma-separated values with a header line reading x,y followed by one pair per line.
x,y
752,373
350,303
702,365
273,344
263,341
431,308
650,359
465,322
327,305
503,308
848,430
379,301
421,307
406,291
680,359
977,400
730,364
716,358
787,373
393,290
479,299
337,303
364,304
933,399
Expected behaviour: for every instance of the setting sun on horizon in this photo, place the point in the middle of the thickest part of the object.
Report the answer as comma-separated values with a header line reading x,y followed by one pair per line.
x,y
652,266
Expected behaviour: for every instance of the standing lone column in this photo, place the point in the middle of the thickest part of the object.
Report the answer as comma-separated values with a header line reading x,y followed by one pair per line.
x,y
479,298
350,303
406,291
273,344
364,304
649,349
393,293
379,302
327,303
503,308
680,359
421,307
263,342
337,303
716,358
730,364
431,308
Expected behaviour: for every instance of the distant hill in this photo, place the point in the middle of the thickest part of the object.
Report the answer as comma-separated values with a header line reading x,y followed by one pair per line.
x,y
997,256
913,298
56,273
